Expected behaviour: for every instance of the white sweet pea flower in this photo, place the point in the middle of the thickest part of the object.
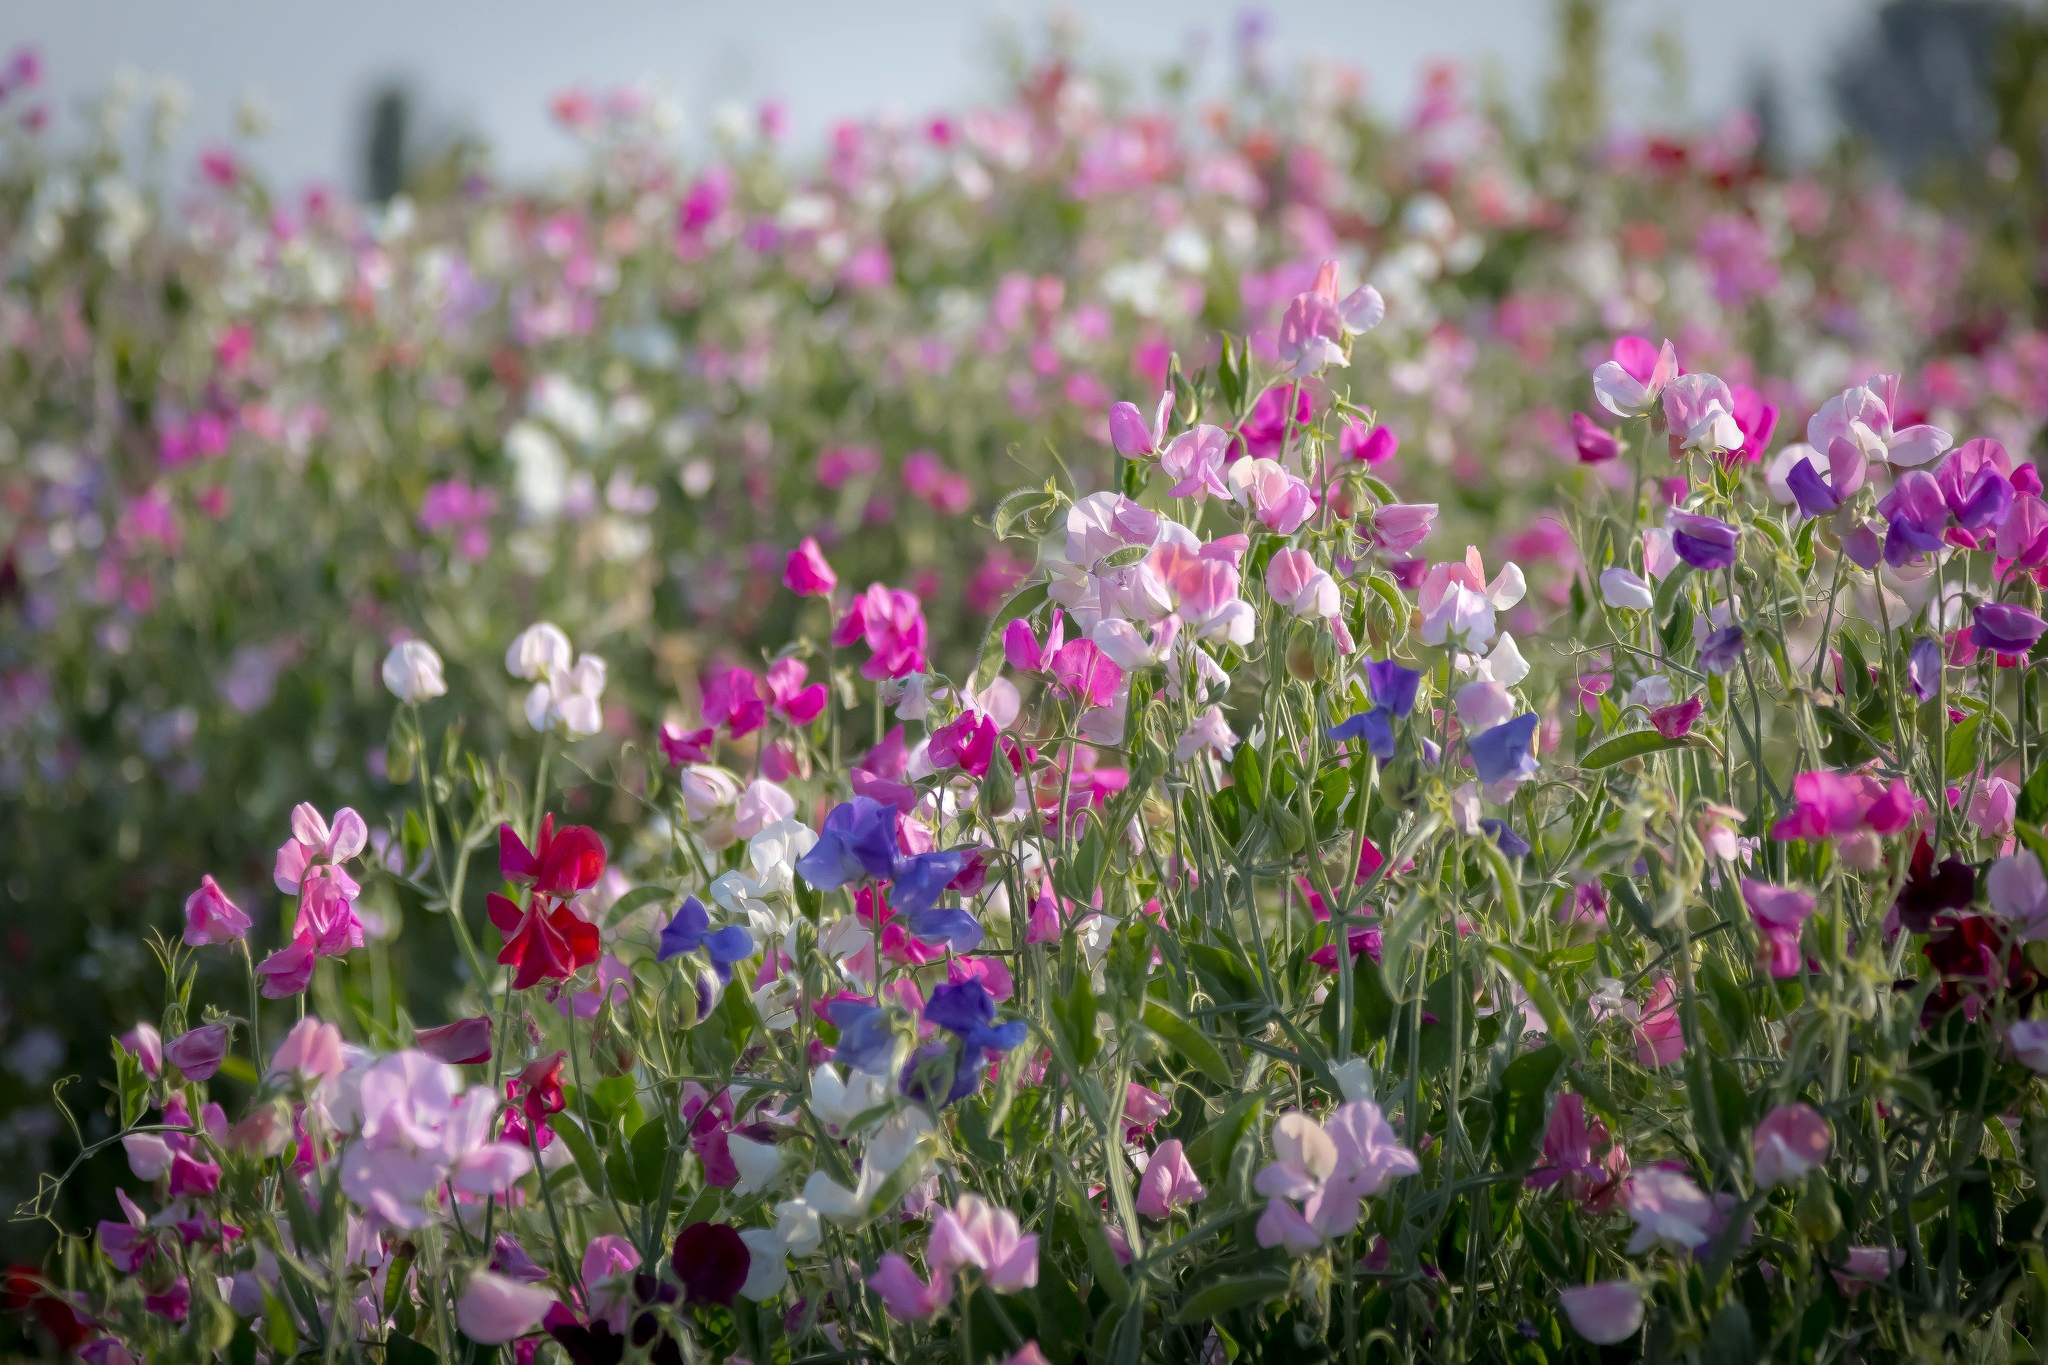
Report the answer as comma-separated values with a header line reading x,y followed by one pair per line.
x,y
838,1102
540,651
1623,590
412,672
759,1164
767,1262
707,790
760,805
1505,664
774,851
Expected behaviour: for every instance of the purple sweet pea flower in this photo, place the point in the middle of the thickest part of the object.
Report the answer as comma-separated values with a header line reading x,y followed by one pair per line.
x,y
1722,650
1503,751
1923,668
1974,484
1509,842
1811,491
1917,513
858,838
1375,727
1706,543
2005,628
1392,685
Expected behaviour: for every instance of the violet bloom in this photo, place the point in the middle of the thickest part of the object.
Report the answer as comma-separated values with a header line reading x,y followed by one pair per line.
x,y
2005,628
1917,514
1844,468
1974,483
1392,685
1503,753
858,838
1706,543
1923,668
1375,726
966,1010
1721,651
690,929
198,1052
1780,913
211,918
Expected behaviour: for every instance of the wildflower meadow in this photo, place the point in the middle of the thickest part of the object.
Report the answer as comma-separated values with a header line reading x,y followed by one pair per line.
x,y
1111,727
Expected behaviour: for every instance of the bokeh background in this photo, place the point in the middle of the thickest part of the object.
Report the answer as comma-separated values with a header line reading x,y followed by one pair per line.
x,y
291,295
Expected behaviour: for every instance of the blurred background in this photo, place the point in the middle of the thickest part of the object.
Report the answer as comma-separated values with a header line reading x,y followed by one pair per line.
x,y
322,325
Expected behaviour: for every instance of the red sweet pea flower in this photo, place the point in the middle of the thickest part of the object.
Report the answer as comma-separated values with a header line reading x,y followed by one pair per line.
x,y
547,941
560,864
537,1091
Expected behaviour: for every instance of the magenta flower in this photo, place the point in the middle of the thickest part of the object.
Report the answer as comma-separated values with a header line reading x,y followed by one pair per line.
x,y
1790,1141
1195,460
211,918
1605,1313
682,747
1169,1182
967,742
806,573
327,918
891,622
732,699
1916,514
1581,1155
146,1046
1374,444
1660,1036
1630,384
1082,671
1975,483
1676,721
1780,912
1594,444
314,843
1399,527
198,1052
2023,537
1265,431
289,970
1021,647
976,1233
791,700
1756,418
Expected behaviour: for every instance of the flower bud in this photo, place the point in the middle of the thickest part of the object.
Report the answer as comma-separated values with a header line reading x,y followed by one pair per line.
x,y
1816,1215
999,788
412,671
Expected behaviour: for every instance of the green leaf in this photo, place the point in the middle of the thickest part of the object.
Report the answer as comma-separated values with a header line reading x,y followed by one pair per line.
x,y
400,1349
1210,1153
1668,591
1124,558
1634,744
1521,1105
571,1132
1230,1292
634,899
1021,506
1248,778
1077,1012
989,661
1186,1039
1962,749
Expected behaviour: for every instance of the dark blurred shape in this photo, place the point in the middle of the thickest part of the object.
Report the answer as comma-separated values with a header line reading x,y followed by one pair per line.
x,y
384,146
1918,84
1767,107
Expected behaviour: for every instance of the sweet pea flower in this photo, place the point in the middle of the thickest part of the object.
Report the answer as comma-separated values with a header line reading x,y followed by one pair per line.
x,y
1021,646
975,1233
680,746
1208,730
1082,671
1399,527
891,623
1373,444
967,742
1699,410
1593,443
789,698
1503,756
1625,591
311,1052
569,700
1780,913
146,1046
1789,1141
1630,384
1169,1182
1281,501
211,918
1863,417
2028,1040
1302,586
1326,1169
806,573
466,1042
539,651
1129,433
494,1309
198,1052
316,844
732,700
1915,513
1580,1155
1195,461
289,970
1975,483
1994,806
1660,1035
1668,1209
1706,543
907,1297
1605,1313
1758,420
2006,628
412,672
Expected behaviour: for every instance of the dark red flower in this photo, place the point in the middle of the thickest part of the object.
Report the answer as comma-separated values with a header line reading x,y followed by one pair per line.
x,y
561,863
546,941
537,1090
711,1262
1931,889
1976,959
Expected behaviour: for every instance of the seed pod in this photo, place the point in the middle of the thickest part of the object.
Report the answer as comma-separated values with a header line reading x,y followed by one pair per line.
x,y
999,788
1816,1215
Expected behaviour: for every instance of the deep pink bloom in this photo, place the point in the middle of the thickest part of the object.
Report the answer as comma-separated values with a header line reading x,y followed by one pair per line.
x,y
198,1052
1676,721
1375,445
891,622
807,574
1128,431
1084,672
967,742
146,1046
1780,912
1757,419
314,842
327,917
1594,444
1825,804
1660,1037
210,917
904,1294
192,1178
289,970
1021,647
682,746
1581,1155
1266,429
794,702
732,698
466,1042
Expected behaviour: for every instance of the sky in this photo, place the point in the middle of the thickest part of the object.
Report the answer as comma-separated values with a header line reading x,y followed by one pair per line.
x,y
488,68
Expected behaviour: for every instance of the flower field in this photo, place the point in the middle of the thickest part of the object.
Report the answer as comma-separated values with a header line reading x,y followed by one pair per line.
x,y
1110,727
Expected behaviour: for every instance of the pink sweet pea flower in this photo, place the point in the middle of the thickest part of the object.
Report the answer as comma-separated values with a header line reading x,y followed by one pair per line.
x,y
891,622
1128,432
1668,1209
1374,444
1581,1155
1605,1313
1660,1037
806,573
1790,1141
1593,443
146,1045
1399,527
1676,721
795,703
1021,647
1630,384
1867,1266
1302,586
494,1309
1143,1108
198,1052
327,917
311,1052
127,1244
905,1296
210,917
1780,913
1994,807
732,699
976,1233
1280,500
1328,1168
1082,671
289,970
608,1265
1169,1182
683,747
466,1042
1700,411
314,842
1195,460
